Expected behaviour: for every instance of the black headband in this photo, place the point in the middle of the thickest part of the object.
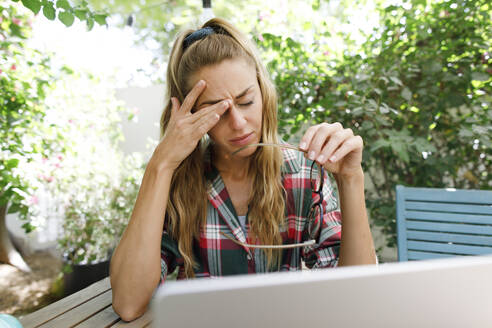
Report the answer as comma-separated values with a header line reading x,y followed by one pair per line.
x,y
200,34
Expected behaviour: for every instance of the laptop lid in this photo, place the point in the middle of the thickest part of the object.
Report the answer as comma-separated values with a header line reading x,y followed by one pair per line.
x,y
454,292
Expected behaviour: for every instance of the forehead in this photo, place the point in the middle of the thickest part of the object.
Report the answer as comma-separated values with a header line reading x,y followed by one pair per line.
x,y
226,79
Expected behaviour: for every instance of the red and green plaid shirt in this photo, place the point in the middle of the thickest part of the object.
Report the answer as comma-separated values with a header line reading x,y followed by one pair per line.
x,y
219,256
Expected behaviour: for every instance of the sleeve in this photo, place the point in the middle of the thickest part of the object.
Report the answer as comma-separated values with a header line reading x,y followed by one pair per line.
x,y
169,254
326,252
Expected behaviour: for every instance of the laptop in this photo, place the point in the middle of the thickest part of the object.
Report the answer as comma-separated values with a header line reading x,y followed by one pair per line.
x,y
452,292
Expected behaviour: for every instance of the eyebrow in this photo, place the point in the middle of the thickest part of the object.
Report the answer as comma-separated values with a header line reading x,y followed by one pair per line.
x,y
211,102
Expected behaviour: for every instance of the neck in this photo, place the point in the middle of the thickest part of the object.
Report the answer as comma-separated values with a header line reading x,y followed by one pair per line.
x,y
231,167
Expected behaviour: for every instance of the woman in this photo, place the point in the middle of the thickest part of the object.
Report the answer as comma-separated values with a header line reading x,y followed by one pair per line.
x,y
208,207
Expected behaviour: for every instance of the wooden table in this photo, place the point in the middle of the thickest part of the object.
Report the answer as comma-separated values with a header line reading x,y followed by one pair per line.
x,y
90,307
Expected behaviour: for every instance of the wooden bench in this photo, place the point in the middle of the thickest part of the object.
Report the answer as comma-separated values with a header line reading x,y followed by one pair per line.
x,y
90,307
434,223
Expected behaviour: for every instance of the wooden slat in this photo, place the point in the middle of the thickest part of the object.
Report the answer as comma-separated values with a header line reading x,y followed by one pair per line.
x,y
53,310
416,255
81,312
143,321
448,208
449,227
446,195
449,237
448,248
105,318
448,217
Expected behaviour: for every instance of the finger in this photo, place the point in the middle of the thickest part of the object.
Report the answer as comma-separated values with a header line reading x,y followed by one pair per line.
x,y
192,96
321,137
352,144
195,124
218,108
205,124
334,142
307,137
174,104
174,109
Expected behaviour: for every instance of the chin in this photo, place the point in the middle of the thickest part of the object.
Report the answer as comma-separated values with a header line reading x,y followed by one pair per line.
x,y
247,152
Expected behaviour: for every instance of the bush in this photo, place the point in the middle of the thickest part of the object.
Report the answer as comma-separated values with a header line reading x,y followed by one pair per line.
x,y
418,92
25,77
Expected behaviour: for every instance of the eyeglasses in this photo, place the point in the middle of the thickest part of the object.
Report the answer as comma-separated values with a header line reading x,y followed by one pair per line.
x,y
315,213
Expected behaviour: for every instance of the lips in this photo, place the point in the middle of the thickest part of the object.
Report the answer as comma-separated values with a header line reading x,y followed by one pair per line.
x,y
242,140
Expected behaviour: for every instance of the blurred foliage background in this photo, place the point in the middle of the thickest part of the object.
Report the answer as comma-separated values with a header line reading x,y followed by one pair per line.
x,y
418,90
413,78
60,155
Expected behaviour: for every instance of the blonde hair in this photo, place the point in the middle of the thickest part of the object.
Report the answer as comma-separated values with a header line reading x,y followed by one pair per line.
x,y
186,208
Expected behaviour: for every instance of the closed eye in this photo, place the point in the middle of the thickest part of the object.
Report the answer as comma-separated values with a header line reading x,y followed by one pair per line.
x,y
247,104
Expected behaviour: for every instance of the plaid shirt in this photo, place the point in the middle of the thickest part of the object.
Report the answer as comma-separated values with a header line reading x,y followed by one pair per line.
x,y
216,255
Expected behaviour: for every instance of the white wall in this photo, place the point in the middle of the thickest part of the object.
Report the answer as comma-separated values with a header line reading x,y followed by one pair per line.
x,y
149,103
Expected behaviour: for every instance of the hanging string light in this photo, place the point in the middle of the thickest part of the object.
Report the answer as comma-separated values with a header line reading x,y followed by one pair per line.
x,y
207,12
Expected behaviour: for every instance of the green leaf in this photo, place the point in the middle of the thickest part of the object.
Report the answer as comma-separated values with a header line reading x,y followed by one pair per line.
x,y
33,5
100,19
307,26
63,4
478,76
48,11
465,132
395,80
400,149
390,8
14,208
379,144
384,109
28,227
81,14
384,79
67,268
366,125
11,163
435,67
90,23
406,94
66,18
67,69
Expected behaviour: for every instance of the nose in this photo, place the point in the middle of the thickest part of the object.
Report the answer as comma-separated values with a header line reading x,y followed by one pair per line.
x,y
237,120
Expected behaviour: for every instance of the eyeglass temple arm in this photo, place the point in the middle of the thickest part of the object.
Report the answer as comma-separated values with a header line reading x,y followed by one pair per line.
x,y
269,144
306,243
